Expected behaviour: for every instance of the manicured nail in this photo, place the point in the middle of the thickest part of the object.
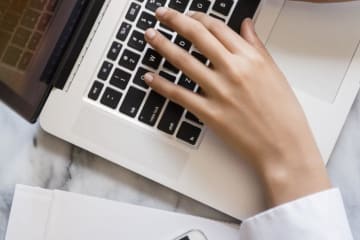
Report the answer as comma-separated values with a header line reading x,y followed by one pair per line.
x,y
161,11
190,13
150,33
148,77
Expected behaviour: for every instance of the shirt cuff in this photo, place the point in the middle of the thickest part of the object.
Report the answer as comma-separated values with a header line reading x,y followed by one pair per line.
x,y
318,216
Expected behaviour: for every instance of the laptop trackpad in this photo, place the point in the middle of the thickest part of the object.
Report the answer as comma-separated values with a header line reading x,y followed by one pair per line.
x,y
314,44
129,145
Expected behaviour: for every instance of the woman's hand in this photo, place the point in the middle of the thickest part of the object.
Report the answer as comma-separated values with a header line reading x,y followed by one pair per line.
x,y
246,100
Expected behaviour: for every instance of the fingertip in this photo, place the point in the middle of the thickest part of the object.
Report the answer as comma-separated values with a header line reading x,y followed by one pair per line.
x,y
149,78
246,24
150,34
161,11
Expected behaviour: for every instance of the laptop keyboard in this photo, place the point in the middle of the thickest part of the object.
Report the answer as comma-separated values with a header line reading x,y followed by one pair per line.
x,y
22,25
119,84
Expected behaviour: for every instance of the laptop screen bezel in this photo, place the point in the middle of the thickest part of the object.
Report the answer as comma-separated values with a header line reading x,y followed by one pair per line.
x,y
30,109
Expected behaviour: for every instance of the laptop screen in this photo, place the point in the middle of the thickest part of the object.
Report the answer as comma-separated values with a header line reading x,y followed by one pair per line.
x,y
29,30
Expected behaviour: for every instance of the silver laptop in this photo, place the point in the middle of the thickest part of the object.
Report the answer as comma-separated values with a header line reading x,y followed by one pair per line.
x,y
80,66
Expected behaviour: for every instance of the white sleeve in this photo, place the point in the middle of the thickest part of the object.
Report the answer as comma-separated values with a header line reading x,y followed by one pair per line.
x,y
319,216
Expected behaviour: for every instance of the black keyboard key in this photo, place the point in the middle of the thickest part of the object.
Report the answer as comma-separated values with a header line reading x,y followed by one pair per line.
x,y
152,108
167,76
52,4
21,37
120,79
3,9
185,82
34,41
139,77
17,5
223,6
12,56
25,60
193,118
44,22
38,4
129,59
9,22
123,31
182,42
166,27
217,17
132,102
199,57
188,133
4,40
133,12
146,21
114,51
179,5
152,5
30,19
152,58
171,118
105,70
170,67
200,5
111,98
95,90
168,36
137,41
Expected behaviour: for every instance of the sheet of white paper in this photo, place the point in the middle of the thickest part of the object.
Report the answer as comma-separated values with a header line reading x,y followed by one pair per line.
x,y
53,215
29,213
314,44
80,217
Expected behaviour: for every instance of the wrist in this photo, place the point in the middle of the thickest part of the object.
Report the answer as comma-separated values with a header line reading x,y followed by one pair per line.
x,y
293,177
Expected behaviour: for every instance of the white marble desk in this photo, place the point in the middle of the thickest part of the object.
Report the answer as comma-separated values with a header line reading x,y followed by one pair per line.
x,y
30,156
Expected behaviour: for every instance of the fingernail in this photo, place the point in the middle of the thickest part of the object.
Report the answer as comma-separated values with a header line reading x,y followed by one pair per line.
x,y
251,23
161,11
150,33
190,13
148,77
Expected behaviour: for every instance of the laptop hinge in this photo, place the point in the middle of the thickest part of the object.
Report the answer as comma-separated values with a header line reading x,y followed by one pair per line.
x,y
71,42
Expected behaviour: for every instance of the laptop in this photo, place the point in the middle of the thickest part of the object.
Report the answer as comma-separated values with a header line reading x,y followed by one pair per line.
x,y
78,67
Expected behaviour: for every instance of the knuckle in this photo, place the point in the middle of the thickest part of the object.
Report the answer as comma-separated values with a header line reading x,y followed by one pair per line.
x,y
174,93
200,16
158,41
216,25
214,114
256,58
194,30
180,59
171,17
224,93
231,68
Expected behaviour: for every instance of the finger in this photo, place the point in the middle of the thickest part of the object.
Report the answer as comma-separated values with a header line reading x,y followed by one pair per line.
x,y
189,100
181,59
230,39
196,33
248,32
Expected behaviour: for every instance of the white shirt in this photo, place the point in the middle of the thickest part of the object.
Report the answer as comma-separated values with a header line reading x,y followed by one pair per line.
x,y
320,216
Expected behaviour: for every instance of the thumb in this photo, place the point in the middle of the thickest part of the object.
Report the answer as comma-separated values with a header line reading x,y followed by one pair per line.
x,y
247,31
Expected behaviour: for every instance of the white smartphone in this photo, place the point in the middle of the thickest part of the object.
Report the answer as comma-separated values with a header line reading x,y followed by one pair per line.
x,y
192,235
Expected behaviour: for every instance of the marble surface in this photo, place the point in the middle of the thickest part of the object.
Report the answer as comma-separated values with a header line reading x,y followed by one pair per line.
x,y
30,156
